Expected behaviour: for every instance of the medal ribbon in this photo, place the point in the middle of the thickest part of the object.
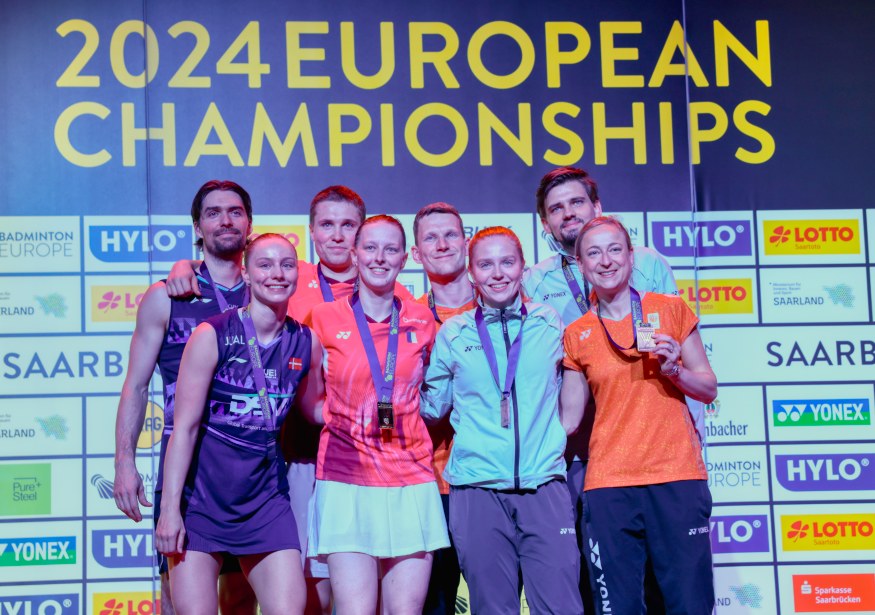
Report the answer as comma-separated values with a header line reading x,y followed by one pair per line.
x,y
324,286
260,379
637,318
513,357
384,382
581,298
220,297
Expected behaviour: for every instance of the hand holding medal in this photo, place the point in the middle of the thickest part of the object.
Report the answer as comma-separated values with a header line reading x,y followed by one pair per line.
x,y
668,351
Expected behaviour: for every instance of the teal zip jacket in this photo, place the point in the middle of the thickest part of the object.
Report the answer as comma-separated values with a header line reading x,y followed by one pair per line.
x,y
527,453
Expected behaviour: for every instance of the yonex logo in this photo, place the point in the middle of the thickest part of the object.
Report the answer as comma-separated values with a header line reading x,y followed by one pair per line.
x,y
594,556
313,284
585,334
343,335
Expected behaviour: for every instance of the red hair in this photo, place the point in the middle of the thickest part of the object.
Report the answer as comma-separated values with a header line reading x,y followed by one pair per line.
x,y
493,231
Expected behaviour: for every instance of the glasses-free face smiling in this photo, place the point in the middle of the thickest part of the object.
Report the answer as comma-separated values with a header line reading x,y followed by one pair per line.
x,y
497,268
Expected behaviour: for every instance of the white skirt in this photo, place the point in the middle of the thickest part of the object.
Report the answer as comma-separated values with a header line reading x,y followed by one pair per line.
x,y
378,521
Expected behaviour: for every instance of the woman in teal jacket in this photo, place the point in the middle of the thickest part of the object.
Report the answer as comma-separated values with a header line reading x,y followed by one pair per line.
x,y
495,370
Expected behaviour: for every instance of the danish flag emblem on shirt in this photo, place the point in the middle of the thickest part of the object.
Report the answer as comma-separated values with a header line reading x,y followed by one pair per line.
x,y
296,364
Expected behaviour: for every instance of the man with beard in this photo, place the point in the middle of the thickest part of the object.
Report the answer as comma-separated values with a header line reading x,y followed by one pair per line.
x,y
567,198
221,213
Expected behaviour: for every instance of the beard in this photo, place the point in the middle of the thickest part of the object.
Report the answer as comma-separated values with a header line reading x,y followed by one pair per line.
x,y
226,245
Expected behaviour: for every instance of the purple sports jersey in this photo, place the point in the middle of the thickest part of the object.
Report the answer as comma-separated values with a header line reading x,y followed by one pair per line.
x,y
185,315
236,496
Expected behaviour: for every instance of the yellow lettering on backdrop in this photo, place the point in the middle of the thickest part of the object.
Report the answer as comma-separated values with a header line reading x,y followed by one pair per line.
x,y
699,135
300,130
337,137
296,54
575,143
674,43
440,58
759,64
62,134
213,123
166,133
767,142
387,134
555,57
602,132
475,55
387,56
411,136
520,143
612,54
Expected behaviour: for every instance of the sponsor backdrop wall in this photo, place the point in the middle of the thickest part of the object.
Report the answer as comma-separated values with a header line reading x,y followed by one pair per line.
x,y
740,156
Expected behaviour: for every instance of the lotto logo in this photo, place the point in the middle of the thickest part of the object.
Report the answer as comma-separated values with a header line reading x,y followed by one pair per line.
x,y
828,532
811,237
127,603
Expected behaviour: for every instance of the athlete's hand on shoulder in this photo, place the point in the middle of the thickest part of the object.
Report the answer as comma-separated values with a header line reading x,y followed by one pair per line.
x,y
128,491
182,280
170,533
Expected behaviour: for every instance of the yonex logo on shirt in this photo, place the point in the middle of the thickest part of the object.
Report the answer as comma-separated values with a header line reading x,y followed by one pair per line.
x,y
420,321
343,335
313,284
476,347
585,334
556,295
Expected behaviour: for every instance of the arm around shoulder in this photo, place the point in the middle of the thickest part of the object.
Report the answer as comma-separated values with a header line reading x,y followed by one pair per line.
x,y
310,397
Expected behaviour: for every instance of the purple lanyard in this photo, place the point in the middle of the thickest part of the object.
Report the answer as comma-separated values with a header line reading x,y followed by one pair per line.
x,y
324,286
258,375
220,298
513,357
433,307
383,382
637,318
580,297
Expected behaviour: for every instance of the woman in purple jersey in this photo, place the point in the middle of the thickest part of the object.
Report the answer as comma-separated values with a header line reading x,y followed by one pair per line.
x,y
225,490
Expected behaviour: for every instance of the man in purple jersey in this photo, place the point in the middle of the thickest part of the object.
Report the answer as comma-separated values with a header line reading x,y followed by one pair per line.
x,y
221,213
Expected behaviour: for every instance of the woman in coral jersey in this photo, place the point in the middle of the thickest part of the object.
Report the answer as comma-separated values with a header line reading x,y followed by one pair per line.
x,y
377,510
225,489
646,485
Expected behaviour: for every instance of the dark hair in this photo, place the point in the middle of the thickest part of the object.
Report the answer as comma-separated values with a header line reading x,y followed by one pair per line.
x,y
493,231
341,194
597,222
382,218
559,176
434,208
250,244
211,186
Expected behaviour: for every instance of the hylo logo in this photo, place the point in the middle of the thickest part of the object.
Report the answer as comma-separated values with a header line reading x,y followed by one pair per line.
x,y
740,534
843,472
820,412
46,604
706,238
811,237
130,244
122,548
